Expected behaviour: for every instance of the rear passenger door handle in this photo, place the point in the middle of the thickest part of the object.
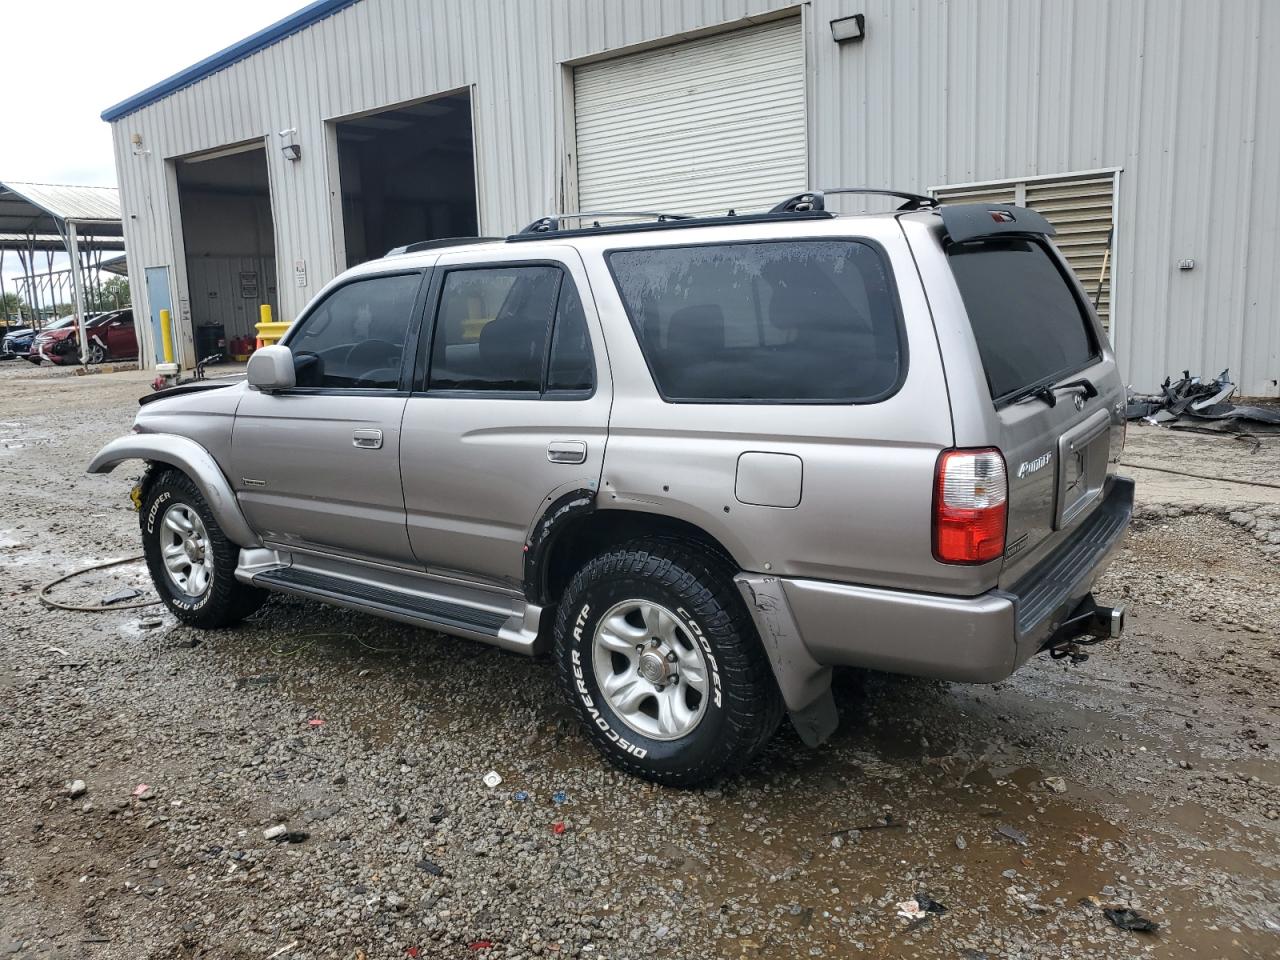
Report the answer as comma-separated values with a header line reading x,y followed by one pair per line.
x,y
567,451
367,439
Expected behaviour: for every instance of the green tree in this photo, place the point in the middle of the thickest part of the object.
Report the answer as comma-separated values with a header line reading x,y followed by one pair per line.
x,y
113,295
11,307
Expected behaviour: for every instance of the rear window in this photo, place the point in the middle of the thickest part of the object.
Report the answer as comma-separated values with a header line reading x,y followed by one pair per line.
x,y
1029,325
811,321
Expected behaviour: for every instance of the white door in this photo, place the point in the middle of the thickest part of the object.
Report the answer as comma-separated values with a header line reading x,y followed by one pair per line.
x,y
697,127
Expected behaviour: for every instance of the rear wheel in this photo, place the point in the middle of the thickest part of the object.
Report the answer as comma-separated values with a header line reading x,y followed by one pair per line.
x,y
660,659
192,563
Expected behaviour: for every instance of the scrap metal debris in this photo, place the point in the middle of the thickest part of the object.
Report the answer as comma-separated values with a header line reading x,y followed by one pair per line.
x,y
1131,920
1012,833
120,596
1193,403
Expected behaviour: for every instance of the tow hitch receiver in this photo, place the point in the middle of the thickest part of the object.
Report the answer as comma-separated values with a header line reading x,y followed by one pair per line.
x,y
1087,625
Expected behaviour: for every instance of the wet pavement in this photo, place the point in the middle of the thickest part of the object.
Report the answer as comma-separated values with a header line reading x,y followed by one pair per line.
x,y
1144,779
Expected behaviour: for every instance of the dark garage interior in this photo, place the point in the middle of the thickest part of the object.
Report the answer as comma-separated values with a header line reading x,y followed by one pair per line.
x,y
229,240
407,174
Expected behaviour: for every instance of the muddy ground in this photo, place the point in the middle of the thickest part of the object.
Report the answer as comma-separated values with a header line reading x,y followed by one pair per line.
x,y
1144,778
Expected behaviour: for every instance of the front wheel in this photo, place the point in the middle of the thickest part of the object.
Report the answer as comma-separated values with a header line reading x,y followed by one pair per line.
x,y
659,657
97,353
192,563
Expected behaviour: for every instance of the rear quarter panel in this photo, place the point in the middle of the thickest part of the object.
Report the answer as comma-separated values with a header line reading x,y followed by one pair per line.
x,y
867,469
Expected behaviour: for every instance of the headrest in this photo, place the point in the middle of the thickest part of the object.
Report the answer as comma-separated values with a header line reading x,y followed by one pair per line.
x,y
698,328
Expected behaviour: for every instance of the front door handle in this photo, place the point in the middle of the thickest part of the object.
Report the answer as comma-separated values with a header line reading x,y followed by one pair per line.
x,y
567,451
367,439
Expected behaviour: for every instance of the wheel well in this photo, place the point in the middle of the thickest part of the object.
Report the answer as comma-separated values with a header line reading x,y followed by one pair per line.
x,y
587,535
154,471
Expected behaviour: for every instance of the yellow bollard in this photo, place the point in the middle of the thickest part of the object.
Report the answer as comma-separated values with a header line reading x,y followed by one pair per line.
x,y
269,332
166,335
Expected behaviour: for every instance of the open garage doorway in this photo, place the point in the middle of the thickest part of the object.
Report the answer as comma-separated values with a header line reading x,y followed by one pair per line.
x,y
229,239
407,174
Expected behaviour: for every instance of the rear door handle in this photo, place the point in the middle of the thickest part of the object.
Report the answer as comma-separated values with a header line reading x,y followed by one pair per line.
x,y
367,439
567,451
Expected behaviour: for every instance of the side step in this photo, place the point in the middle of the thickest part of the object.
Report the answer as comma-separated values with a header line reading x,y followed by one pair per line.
x,y
511,631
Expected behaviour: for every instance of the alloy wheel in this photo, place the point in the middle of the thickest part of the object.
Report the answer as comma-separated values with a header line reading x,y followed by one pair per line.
x,y
650,669
185,549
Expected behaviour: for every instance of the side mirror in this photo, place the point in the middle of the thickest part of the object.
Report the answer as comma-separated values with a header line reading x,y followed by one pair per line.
x,y
271,369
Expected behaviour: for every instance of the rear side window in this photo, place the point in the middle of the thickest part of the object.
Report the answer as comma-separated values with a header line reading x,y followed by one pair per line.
x,y
809,321
1029,325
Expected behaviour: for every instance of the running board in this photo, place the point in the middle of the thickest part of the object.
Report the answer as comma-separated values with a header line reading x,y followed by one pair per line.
x,y
417,600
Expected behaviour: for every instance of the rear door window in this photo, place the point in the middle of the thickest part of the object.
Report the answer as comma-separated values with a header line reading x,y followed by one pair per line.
x,y
806,321
1030,327
514,330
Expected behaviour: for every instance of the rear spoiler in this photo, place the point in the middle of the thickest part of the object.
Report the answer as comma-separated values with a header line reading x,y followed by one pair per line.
x,y
971,221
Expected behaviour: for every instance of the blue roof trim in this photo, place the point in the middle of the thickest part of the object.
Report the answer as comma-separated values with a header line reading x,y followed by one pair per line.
x,y
311,13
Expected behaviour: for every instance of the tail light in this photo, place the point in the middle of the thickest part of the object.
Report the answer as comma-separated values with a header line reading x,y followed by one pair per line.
x,y
970,506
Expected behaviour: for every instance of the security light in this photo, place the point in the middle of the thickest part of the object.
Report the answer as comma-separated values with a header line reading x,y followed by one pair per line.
x,y
849,29
292,151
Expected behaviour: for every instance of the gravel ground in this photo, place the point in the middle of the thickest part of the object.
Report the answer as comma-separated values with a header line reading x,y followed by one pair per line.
x,y
1144,778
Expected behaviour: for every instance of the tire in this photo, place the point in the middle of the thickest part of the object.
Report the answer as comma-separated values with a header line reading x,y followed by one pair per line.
x,y
97,353
207,594
735,700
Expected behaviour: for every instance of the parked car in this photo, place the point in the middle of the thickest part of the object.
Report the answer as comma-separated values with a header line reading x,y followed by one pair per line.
x,y
702,461
30,354
110,336
16,343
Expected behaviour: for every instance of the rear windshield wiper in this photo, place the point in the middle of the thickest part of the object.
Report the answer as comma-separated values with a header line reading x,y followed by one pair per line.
x,y
1049,392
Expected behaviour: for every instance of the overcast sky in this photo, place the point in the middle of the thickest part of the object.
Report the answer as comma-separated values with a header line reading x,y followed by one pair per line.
x,y
63,62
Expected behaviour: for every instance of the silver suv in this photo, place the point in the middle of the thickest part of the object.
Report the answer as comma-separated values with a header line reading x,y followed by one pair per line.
x,y
702,461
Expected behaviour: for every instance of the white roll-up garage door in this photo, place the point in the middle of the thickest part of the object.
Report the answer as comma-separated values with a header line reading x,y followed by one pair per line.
x,y
701,126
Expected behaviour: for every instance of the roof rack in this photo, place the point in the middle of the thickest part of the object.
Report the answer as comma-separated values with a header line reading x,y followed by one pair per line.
x,y
437,244
667,222
815,199
551,224
809,205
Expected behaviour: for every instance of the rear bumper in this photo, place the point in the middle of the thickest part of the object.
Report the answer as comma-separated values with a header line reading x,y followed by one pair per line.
x,y
809,626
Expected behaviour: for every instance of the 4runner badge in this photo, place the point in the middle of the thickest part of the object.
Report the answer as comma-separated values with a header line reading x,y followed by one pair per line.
x,y
1031,466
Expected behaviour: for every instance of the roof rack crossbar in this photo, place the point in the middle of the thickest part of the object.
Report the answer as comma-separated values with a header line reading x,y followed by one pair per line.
x,y
551,223
816,199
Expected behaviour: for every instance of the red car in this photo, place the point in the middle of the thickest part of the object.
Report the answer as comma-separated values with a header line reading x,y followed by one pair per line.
x,y
110,335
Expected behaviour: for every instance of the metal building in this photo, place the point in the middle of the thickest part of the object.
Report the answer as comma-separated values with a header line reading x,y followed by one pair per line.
x,y
357,125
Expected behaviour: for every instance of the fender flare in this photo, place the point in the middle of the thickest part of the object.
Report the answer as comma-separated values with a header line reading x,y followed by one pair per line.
x,y
193,460
537,547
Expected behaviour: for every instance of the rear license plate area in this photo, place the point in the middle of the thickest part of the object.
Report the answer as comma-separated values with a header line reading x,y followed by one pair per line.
x,y
1082,467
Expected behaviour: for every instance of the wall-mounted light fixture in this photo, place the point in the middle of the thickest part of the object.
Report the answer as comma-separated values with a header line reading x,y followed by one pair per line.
x,y
136,140
849,29
291,150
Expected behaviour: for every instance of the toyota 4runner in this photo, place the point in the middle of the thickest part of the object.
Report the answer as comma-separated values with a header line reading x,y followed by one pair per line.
x,y
702,461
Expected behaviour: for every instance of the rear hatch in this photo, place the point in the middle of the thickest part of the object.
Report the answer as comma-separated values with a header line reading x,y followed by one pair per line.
x,y
1053,387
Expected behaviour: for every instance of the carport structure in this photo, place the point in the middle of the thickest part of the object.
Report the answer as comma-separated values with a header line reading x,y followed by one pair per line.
x,y
83,222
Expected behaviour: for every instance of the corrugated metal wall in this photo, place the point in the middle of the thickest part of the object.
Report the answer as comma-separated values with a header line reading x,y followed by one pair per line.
x,y
1182,95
